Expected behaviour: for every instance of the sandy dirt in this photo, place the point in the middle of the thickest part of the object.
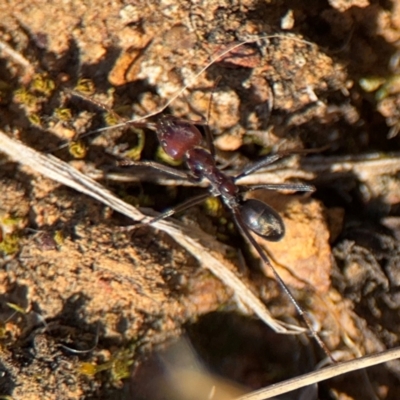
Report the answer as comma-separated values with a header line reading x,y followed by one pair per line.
x,y
89,310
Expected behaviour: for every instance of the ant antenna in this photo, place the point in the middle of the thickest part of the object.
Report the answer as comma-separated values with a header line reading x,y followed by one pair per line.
x,y
209,137
215,59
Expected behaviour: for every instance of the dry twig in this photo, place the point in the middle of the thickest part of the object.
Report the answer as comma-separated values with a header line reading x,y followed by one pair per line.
x,y
18,58
322,375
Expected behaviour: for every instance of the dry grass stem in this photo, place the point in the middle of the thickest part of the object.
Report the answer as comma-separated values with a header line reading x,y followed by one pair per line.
x,y
18,58
322,375
320,168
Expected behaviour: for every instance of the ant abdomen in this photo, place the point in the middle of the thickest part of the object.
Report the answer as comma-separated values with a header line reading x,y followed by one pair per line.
x,y
262,220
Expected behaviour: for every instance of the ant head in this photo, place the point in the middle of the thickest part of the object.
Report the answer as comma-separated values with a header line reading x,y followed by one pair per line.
x,y
177,136
262,220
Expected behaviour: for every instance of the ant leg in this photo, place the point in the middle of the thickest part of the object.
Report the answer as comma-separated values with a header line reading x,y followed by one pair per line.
x,y
271,159
209,136
246,233
180,207
260,164
158,167
209,140
296,187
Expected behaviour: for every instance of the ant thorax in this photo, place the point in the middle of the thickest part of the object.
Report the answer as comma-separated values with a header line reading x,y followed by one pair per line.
x,y
202,165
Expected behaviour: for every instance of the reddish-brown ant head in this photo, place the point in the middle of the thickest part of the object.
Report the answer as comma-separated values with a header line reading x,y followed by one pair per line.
x,y
262,220
177,136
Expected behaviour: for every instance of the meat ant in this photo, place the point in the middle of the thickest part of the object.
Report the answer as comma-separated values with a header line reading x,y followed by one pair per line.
x,y
182,140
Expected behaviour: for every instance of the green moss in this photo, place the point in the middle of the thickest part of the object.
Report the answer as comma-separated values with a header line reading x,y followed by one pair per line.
x,y
43,85
10,244
135,152
85,86
63,114
77,149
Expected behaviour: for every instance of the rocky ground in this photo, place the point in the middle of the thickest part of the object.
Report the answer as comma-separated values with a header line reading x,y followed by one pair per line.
x,y
89,310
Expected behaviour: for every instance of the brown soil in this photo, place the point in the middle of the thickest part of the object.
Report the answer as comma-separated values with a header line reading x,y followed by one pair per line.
x,y
87,309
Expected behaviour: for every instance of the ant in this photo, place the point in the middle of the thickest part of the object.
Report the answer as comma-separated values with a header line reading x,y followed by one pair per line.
x,y
182,140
